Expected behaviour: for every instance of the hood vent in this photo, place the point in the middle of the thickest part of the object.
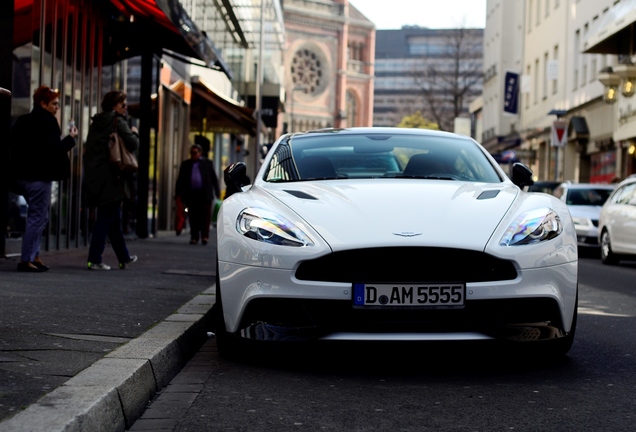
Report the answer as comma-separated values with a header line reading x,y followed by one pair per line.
x,y
488,194
301,194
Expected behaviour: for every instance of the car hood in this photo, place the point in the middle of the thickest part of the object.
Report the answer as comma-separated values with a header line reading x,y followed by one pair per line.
x,y
375,213
584,211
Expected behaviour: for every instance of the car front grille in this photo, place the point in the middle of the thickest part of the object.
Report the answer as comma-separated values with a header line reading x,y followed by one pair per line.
x,y
406,264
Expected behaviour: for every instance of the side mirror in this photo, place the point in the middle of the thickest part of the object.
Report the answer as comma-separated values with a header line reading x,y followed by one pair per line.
x,y
521,175
235,177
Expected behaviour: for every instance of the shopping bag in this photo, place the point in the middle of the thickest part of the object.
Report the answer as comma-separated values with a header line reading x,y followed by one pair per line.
x,y
180,217
216,206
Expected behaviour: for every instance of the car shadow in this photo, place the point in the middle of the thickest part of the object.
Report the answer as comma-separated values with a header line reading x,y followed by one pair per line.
x,y
404,358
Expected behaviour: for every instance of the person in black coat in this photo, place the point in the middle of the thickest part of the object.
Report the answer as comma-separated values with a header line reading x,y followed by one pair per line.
x,y
38,157
104,185
197,186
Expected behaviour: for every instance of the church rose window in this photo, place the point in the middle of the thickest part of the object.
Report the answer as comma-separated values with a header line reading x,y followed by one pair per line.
x,y
307,71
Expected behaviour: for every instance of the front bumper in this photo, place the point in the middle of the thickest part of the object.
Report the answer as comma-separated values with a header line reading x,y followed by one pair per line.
x,y
272,304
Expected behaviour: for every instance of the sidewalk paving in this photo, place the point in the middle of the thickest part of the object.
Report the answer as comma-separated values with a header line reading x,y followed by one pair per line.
x,y
85,350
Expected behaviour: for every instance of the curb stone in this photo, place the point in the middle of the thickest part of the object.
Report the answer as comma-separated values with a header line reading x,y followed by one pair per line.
x,y
114,392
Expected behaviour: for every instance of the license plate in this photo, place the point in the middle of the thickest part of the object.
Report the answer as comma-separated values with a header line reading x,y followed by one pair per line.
x,y
447,295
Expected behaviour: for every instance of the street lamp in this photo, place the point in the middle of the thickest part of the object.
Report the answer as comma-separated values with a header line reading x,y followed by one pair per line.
x,y
627,73
295,89
623,76
610,81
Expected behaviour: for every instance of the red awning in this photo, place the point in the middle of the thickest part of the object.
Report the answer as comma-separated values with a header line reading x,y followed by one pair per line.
x,y
166,21
147,9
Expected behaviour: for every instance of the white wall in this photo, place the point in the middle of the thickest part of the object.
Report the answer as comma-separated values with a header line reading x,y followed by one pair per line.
x,y
503,51
546,37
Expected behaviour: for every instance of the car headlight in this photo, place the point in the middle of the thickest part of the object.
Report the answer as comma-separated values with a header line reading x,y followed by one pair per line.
x,y
533,226
582,221
266,226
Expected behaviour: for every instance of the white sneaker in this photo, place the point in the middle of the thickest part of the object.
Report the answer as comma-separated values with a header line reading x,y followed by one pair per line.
x,y
132,259
100,266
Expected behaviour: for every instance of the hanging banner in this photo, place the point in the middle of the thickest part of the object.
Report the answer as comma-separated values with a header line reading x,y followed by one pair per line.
x,y
511,93
559,137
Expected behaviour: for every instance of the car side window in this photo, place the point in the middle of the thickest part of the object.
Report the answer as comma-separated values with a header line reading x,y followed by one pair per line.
x,y
630,199
624,194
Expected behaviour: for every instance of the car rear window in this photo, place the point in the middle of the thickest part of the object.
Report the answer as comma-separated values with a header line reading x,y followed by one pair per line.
x,y
592,196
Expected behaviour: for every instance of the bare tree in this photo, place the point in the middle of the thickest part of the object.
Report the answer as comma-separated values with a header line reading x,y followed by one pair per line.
x,y
449,74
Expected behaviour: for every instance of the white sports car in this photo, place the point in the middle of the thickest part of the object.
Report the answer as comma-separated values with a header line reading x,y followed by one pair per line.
x,y
385,234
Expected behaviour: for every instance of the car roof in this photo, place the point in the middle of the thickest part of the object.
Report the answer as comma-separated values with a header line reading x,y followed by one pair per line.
x,y
630,179
570,185
380,130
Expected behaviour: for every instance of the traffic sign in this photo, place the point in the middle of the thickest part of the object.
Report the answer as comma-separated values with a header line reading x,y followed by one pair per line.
x,y
559,136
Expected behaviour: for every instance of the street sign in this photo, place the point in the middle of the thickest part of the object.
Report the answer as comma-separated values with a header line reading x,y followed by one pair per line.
x,y
559,137
508,156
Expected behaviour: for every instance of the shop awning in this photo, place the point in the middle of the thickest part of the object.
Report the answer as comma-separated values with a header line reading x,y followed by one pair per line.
x,y
219,114
170,15
165,24
614,32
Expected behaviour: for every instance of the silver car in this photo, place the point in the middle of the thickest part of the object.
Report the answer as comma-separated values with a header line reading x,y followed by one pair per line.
x,y
617,223
584,200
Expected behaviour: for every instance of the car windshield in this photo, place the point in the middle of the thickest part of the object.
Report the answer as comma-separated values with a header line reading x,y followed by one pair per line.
x,y
331,156
590,197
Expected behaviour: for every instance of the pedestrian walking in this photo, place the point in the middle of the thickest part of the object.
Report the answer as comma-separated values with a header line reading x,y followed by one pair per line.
x,y
38,157
104,185
197,186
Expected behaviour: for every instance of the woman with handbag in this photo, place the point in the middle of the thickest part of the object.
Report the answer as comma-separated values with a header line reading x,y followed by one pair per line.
x,y
39,156
104,183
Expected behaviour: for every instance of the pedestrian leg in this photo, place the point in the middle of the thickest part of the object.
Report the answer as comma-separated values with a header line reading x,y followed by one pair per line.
x,y
196,217
38,197
116,236
105,215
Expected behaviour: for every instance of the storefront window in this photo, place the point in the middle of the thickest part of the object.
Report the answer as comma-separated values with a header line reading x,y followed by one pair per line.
x,y
603,167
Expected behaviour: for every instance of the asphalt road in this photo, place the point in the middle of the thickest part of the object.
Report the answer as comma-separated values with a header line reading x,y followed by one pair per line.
x,y
394,388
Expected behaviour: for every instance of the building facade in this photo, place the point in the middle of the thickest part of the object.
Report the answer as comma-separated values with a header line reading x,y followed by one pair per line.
x,y
503,54
412,70
185,66
563,56
328,65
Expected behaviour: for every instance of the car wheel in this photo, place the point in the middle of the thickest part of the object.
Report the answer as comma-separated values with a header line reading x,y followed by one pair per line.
x,y
229,347
607,256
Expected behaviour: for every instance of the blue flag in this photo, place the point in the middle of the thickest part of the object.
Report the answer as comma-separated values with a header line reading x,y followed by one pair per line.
x,y
511,93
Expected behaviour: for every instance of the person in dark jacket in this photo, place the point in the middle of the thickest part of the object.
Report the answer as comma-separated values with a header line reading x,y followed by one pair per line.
x,y
103,184
197,185
38,157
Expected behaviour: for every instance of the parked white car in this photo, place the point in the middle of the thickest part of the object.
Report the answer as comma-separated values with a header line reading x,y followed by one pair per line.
x,y
617,223
390,234
584,200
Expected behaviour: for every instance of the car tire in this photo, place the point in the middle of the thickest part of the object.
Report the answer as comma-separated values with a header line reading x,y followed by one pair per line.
x,y
607,256
229,347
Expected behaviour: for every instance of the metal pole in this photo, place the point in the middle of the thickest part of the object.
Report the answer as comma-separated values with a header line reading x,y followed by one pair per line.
x,y
259,101
293,91
6,87
291,126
